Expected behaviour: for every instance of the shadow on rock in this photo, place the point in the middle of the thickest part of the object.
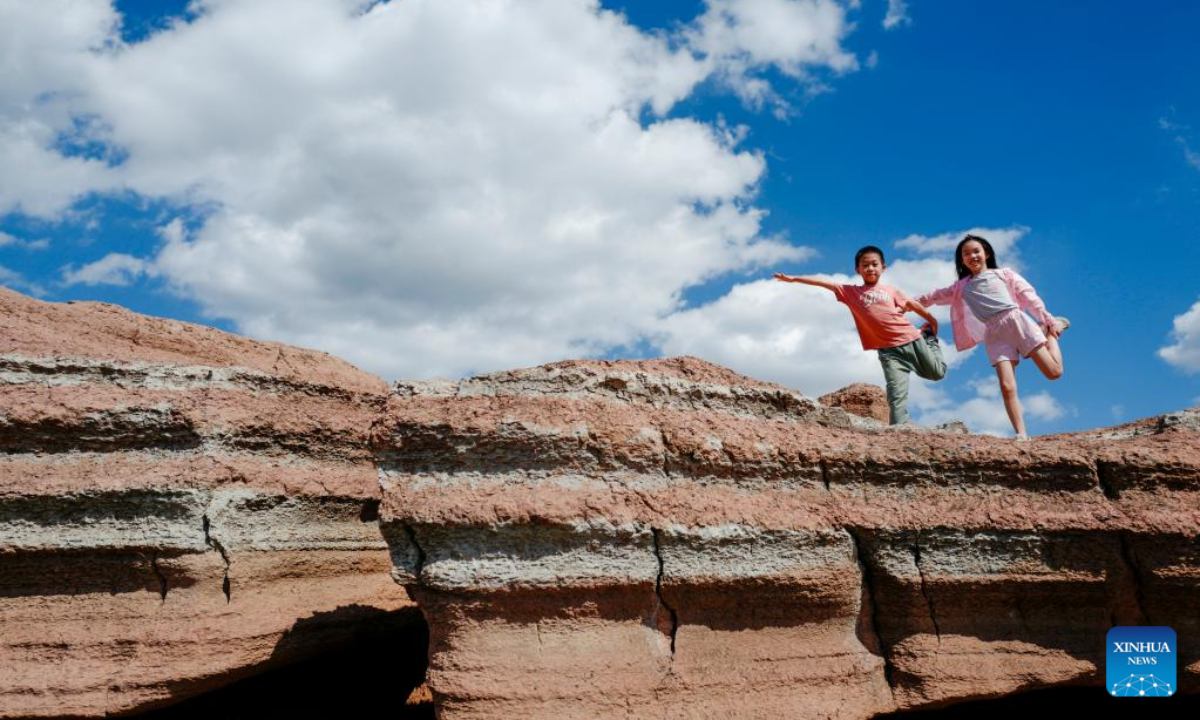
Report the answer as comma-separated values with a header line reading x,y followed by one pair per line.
x,y
355,659
1059,702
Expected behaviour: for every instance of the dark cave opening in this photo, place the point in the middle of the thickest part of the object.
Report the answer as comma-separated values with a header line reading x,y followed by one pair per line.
x,y
373,669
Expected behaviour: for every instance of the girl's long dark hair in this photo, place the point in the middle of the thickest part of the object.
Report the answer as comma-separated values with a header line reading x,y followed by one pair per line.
x,y
988,252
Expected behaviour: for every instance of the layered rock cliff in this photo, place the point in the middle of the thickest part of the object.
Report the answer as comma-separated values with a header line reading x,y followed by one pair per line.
x,y
669,539
180,507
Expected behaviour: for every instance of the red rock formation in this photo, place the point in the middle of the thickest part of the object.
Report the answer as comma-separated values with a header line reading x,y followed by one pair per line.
x,y
179,507
666,539
861,399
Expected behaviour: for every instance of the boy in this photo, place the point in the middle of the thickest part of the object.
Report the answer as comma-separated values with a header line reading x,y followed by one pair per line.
x,y
878,312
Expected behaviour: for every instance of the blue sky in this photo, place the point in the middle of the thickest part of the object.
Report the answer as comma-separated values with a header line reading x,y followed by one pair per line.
x,y
521,186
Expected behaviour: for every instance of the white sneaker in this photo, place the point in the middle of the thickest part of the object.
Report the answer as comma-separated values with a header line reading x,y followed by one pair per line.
x,y
1021,437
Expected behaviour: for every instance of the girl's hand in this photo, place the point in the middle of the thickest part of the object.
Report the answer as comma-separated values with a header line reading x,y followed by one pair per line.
x,y
1052,330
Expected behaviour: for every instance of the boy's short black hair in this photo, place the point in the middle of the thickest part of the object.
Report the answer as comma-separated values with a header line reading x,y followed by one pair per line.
x,y
867,251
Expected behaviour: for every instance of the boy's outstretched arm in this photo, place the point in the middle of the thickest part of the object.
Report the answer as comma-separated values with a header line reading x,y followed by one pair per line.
x,y
818,282
918,308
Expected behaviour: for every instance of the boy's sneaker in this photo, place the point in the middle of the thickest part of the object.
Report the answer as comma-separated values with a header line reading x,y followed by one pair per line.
x,y
1021,437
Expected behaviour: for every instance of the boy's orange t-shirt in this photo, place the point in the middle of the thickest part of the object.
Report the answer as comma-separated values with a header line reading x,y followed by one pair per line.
x,y
878,312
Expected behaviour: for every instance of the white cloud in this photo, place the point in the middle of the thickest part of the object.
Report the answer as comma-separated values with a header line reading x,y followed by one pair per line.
x,y
1003,241
983,415
10,277
1189,154
1184,351
738,38
984,411
48,47
1192,157
1043,406
796,335
7,240
424,187
897,15
1179,133
14,279
792,35
112,269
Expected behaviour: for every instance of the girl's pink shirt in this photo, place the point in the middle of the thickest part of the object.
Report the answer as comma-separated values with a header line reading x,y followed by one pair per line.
x,y
968,329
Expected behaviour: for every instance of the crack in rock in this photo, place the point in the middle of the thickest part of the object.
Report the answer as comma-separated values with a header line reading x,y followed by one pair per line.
x,y
215,544
916,550
1106,481
870,603
158,573
411,533
658,590
1134,567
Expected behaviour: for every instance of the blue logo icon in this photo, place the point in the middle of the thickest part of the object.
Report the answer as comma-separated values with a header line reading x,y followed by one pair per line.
x,y
1141,662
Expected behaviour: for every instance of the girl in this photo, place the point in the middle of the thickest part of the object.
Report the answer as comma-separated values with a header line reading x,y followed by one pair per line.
x,y
987,304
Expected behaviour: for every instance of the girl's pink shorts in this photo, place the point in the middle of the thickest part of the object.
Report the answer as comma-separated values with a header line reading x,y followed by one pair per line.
x,y
1011,335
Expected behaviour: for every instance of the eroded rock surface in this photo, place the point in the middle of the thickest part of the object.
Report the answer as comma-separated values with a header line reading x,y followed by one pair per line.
x,y
862,399
667,539
179,507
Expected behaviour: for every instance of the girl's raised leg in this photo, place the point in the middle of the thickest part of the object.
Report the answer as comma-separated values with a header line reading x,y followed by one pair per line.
x,y
1008,390
1048,358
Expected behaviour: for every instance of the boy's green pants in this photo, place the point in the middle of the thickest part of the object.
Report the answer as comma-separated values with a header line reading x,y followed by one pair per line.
x,y
922,356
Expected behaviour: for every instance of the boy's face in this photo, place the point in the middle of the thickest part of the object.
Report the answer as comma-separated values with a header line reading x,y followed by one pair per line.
x,y
870,268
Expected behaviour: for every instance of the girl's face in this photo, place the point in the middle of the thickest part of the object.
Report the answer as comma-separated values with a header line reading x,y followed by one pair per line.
x,y
974,257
